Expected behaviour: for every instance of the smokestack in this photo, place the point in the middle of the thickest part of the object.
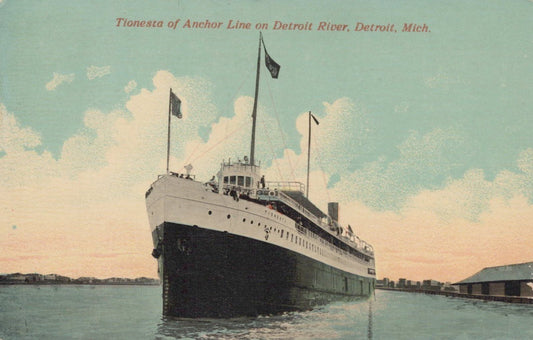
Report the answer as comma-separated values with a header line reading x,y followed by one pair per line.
x,y
333,211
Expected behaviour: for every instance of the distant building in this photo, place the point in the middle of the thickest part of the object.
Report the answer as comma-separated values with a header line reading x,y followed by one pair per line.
x,y
16,277
383,283
402,283
33,277
448,287
431,285
87,280
509,280
63,279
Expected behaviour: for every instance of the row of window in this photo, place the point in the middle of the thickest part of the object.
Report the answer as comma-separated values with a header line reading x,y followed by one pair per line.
x,y
243,181
301,242
294,238
274,213
298,240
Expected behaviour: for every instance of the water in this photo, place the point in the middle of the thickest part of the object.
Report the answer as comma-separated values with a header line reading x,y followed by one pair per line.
x,y
134,312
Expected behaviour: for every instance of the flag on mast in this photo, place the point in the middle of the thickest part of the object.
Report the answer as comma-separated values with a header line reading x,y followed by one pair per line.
x,y
314,118
175,104
271,65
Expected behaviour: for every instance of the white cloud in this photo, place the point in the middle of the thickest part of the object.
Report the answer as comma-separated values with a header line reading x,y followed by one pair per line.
x,y
58,79
422,161
132,84
91,199
418,232
341,138
525,161
471,196
13,138
88,199
97,72
418,244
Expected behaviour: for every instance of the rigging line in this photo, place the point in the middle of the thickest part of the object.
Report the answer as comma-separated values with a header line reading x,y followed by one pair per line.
x,y
220,141
317,157
281,131
245,77
272,150
193,152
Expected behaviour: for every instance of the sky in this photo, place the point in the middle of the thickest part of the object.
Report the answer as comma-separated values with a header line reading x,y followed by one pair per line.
x,y
424,137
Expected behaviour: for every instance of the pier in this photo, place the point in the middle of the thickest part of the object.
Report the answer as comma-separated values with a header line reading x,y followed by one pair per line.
x,y
508,299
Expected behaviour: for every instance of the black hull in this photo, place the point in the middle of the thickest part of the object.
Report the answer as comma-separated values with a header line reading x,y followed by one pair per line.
x,y
207,273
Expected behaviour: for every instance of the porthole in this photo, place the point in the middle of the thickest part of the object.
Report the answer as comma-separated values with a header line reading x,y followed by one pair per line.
x,y
229,216
209,212
244,220
251,222
259,224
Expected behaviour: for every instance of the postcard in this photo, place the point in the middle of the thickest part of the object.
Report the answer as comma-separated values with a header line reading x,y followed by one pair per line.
x,y
389,140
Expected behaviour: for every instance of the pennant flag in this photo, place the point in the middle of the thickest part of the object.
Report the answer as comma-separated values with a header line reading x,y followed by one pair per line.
x,y
271,65
316,120
175,104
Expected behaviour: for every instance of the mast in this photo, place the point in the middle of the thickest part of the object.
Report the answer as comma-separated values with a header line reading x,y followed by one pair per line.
x,y
308,157
309,152
168,138
254,111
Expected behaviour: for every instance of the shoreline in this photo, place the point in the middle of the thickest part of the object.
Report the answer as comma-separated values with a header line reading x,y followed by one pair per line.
x,y
78,284
499,298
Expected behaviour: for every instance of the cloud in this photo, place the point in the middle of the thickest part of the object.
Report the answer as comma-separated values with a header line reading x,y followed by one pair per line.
x,y
13,138
58,79
90,200
471,196
97,72
132,84
344,130
419,244
422,161
420,229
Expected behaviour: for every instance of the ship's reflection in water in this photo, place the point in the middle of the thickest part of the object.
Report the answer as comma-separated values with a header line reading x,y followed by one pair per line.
x,y
335,321
134,312
387,315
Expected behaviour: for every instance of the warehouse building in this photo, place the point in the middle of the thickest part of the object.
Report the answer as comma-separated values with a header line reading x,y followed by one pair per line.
x,y
509,280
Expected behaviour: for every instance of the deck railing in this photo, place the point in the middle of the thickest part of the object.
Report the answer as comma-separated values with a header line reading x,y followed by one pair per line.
x,y
286,185
359,244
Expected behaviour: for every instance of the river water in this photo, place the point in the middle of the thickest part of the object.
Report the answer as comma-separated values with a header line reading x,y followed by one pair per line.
x,y
134,312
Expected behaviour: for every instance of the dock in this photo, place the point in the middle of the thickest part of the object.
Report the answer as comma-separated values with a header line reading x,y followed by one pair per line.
x,y
500,298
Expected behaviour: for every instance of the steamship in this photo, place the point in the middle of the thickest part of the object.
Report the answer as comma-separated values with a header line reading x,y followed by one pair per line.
x,y
239,245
